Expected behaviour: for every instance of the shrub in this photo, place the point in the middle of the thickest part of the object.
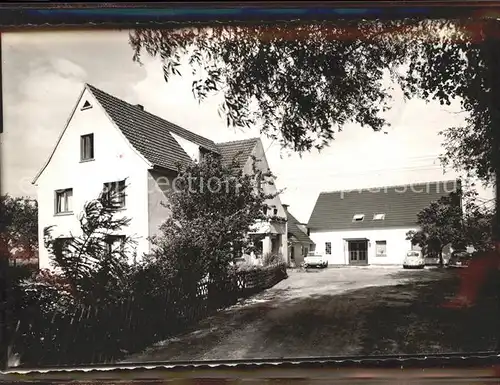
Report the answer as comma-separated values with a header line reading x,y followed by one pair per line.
x,y
48,278
95,263
272,259
246,266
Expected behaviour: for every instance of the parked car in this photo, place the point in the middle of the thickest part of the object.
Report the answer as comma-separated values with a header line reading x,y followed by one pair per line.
x,y
459,259
414,259
431,260
315,260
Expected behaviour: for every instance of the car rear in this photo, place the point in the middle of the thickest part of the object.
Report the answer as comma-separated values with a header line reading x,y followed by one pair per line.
x,y
460,259
414,259
315,260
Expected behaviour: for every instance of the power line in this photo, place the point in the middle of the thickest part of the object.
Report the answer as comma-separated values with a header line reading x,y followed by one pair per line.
x,y
371,172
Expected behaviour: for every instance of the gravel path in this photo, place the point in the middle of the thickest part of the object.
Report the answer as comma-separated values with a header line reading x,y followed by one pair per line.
x,y
305,315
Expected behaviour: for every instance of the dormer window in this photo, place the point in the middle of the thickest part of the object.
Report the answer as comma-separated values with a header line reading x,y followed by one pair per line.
x,y
87,147
358,217
86,105
272,210
379,217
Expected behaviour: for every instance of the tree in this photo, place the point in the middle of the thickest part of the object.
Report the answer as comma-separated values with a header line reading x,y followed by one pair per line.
x,y
95,262
446,221
19,227
213,207
303,81
440,225
478,217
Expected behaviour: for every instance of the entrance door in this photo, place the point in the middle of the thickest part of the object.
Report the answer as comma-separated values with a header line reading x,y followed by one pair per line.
x,y
358,251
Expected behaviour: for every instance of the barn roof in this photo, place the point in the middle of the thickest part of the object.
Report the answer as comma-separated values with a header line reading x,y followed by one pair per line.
x,y
398,204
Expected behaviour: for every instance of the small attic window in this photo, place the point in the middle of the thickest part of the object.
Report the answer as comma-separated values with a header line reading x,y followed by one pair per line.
x,y
379,217
86,105
358,217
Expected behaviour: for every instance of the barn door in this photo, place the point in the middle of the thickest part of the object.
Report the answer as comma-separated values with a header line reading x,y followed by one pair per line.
x,y
358,252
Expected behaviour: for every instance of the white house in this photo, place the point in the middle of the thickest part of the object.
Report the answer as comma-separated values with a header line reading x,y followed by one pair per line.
x,y
369,226
299,242
109,143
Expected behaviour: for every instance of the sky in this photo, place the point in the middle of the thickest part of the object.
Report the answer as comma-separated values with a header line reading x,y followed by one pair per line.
x,y
43,74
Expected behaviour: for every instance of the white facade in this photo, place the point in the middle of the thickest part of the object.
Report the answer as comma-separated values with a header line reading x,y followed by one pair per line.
x,y
114,160
396,245
278,231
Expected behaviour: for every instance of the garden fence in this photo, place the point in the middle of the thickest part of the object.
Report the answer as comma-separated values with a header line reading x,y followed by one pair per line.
x,y
104,334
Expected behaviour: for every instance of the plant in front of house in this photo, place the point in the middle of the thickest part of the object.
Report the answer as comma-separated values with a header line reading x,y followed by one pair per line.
x,y
94,263
440,224
270,259
447,222
214,206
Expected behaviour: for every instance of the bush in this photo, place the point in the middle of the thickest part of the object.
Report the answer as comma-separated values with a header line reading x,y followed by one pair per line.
x,y
246,266
270,259
46,277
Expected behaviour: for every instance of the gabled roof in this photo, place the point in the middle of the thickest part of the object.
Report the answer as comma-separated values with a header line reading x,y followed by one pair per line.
x,y
148,133
151,136
295,230
239,150
400,204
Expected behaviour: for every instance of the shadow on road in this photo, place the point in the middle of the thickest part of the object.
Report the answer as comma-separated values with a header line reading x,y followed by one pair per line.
x,y
387,320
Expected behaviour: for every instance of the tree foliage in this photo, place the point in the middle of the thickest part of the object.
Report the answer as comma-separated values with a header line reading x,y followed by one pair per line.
x,y
459,219
213,206
304,81
93,262
19,227
298,81
478,217
440,224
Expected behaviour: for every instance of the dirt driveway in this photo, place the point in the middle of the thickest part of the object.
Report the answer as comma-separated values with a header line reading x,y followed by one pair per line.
x,y
325,312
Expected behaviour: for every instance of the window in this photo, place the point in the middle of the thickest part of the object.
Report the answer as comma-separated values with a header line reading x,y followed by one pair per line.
x,y
272,210
114,193
64,201
378,217
381,248
115,243
86,105
328,248
87,147
358,217
61,245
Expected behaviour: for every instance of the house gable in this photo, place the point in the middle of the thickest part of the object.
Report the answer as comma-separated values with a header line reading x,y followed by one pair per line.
x,y
238,151
262,165
373,208
88,107
295,229
151,135
190,148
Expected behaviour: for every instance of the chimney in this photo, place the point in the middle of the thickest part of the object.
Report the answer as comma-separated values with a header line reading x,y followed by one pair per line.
x,y
285,206
141,107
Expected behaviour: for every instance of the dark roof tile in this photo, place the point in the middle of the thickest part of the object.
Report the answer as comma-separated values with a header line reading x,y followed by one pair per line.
x,y
148,133
239,150
295,230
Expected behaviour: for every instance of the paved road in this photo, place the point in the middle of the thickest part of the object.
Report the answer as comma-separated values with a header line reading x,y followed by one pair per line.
x,y
294,318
